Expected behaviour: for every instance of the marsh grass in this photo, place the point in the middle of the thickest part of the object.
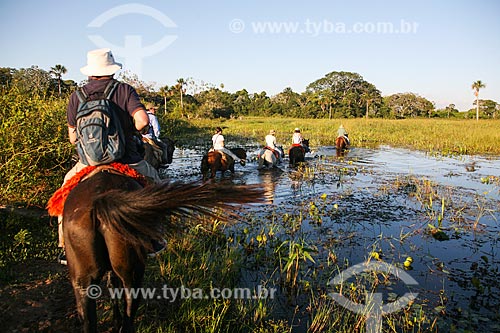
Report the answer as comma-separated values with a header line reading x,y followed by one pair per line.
x,y
437,136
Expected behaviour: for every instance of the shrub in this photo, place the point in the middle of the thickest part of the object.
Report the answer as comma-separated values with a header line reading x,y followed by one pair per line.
x,y
34,149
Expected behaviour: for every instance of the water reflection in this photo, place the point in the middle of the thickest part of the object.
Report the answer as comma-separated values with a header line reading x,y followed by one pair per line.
x,y
368,209
269,178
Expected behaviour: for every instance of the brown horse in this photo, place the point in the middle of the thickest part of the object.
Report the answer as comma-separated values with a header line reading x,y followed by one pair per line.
x,y
155,155
215,161
109,222
296,154
341,145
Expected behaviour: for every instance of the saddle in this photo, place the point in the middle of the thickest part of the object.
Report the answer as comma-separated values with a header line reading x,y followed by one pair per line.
x,y
275,152
297,145
223,155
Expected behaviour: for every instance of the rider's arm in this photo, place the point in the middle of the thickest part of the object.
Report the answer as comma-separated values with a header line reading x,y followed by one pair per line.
x,y
141,118
72,134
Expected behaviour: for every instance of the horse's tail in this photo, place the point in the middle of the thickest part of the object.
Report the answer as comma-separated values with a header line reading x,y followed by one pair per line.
x,y
139,216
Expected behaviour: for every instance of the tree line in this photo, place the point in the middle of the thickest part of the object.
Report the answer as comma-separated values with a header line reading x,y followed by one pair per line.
x,y
336,95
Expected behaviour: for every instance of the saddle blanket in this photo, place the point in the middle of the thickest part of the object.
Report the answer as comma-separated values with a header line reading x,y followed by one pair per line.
x,y
55,204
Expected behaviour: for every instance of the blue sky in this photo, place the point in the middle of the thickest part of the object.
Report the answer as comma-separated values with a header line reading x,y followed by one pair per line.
x,y
436,49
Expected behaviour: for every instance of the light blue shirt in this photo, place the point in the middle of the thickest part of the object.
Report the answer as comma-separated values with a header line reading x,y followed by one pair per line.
x,y
154,127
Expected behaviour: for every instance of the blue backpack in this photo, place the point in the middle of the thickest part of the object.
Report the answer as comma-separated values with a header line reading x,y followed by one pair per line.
x,y
100,137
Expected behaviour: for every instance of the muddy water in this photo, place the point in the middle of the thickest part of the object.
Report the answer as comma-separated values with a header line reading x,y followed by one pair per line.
x,y
378,200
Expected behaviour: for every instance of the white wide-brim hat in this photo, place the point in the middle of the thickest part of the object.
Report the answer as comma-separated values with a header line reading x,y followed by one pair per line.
x,y
100,63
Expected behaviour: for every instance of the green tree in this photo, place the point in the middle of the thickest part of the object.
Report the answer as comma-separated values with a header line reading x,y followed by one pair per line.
x,y
260,104
58,71
346,92
450,109
403,105
489,108
370,97
241,102
165,92
180,86
215,103
144,89
287,103
32,81
476,86
6,76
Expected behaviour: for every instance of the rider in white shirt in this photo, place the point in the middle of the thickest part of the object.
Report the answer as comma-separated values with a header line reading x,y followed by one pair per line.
x,y
342,132
297,137
271,142
218,144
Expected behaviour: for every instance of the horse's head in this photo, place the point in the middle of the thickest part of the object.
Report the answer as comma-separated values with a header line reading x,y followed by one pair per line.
x,y
305,142
240,152
170,149
204,165
280,149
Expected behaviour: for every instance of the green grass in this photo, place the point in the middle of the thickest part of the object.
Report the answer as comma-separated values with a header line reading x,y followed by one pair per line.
x,y
24,239
442,136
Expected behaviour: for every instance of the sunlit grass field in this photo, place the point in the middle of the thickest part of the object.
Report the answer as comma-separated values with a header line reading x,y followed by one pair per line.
x,y
443,136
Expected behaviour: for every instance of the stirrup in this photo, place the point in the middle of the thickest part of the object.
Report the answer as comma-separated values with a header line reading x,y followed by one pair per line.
x,y
61,258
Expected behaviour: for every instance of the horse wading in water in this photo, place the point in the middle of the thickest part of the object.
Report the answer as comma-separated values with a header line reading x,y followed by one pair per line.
x,y
109,222
297,152
341,144
268,159
215,161
154,155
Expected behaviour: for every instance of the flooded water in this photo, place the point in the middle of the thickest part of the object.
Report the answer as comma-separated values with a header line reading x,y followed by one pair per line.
x,y
386,200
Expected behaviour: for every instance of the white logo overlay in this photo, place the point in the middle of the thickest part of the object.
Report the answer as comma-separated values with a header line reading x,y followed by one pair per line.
x,y
133,51
172,294
374,308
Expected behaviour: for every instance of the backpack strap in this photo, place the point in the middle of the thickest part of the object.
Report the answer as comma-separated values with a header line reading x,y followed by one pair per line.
x,y
110,88
82,95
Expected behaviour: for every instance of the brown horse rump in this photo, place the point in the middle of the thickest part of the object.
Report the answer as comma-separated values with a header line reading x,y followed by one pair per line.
x,y
55,204
296,145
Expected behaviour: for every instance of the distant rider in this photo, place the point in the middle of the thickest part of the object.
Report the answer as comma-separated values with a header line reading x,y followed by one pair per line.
x,y
342,132
298,139
271,144
218,145
154,131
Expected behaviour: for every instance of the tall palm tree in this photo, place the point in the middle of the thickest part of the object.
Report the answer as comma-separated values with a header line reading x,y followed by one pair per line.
x,y
180,85
58,71
165,91
476,86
